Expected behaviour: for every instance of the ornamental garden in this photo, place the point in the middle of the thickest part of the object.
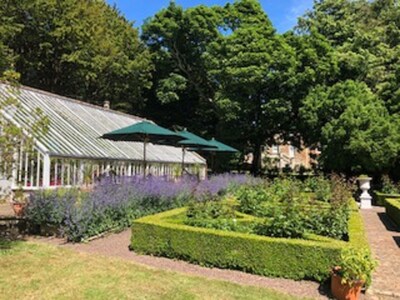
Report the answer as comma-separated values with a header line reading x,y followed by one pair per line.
x,y
282,227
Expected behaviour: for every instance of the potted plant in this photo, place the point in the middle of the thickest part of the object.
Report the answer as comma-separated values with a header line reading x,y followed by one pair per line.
x,y
19,203
353,273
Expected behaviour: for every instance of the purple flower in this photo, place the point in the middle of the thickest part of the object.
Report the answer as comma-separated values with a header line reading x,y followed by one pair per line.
x,y
116,201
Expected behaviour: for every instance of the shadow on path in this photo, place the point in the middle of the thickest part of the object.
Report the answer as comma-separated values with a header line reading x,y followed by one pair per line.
x,y
397,240
388,223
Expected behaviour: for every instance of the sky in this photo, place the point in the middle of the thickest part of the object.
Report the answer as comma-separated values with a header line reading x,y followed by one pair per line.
x,y
283,13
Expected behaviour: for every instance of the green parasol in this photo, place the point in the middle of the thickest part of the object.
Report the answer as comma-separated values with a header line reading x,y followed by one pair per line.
x,y
192,140
145,132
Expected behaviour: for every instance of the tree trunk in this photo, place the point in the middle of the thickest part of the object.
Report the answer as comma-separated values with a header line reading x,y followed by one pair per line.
x,y
256,164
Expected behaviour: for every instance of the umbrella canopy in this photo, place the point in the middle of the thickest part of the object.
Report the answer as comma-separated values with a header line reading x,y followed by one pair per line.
x,y
145,132
221,147
192,140
218,147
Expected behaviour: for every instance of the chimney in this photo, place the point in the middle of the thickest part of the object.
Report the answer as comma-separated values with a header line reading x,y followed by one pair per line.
x,y
106,105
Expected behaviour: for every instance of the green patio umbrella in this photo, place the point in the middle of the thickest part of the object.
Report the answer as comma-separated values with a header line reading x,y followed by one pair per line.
x,y
220,148
145,132
192,140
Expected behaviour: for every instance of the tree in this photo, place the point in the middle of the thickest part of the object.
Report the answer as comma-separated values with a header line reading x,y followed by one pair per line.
x,y
178,39
352,126
252,68
82,49
365,35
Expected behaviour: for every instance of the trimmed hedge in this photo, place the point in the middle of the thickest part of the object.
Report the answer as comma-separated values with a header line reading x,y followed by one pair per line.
x,y
393,209
380,198
310,258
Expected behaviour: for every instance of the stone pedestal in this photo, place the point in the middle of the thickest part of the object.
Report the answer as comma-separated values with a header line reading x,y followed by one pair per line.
x,y
365,197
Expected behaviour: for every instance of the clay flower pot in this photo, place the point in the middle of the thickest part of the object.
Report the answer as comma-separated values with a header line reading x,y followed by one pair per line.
x,y
345,291
19,208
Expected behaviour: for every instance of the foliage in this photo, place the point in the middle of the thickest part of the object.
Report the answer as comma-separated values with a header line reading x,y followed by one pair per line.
x,y
309,258
353,126
356,105
355,265
177,39
284,223
393,209
252,68
388,186
220,214
82,49
115,202
13,136
291,210
319,186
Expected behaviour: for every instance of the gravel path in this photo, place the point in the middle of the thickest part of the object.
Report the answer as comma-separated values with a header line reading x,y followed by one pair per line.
x,y
116,245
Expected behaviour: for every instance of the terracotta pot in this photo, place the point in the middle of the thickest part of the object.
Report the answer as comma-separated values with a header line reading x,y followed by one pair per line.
x,y
18,208
345,291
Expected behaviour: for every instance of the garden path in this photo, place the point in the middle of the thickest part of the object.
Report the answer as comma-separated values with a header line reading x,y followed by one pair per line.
x,y
384,238
116,245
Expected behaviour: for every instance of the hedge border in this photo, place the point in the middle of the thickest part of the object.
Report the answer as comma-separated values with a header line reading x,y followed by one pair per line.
x,y
381,197
292,258
392,207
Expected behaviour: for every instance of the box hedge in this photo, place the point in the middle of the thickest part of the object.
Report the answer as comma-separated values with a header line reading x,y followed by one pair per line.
x,y
309,258
380,198
393,209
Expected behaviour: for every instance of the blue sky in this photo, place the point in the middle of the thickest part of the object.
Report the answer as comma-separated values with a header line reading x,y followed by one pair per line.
x,y
283,13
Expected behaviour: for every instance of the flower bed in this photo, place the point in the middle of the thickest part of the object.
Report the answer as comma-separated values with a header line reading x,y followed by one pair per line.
x,y
164,234
115,202
393,209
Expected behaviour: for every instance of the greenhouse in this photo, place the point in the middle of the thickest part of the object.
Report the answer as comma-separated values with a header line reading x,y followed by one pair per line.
x,y
72,153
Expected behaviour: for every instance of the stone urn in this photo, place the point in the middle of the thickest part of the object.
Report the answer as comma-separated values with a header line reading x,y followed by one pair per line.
x,y
365,197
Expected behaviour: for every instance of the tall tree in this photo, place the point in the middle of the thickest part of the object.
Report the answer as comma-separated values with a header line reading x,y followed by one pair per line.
x,y
252,67
178,39
364,40
365,35
353,127
82,49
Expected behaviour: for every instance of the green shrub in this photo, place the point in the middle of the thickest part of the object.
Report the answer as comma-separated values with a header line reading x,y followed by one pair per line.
x,y
291,210
320,186
356,265
380,198
393,209
287,225
216,214
356,229
308,258
389,186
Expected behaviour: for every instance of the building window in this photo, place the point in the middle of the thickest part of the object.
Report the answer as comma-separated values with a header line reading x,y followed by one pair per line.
x,y
274,149
292,151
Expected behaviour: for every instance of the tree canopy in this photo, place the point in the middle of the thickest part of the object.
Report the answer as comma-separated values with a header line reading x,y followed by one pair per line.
x,y
82,49
353,127
332,82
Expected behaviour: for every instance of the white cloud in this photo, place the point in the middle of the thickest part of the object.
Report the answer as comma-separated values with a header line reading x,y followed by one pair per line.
x,y
296,10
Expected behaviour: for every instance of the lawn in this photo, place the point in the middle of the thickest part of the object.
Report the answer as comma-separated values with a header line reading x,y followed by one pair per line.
x,y
31,270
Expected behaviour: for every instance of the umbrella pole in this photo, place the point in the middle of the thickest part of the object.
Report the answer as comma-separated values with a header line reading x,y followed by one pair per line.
x,y
183,159
144,157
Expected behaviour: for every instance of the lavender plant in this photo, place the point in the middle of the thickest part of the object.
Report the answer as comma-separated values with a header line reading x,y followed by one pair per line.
x,y
115,202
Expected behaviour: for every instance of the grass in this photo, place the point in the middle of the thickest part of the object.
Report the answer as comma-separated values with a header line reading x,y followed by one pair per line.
x,y
31,270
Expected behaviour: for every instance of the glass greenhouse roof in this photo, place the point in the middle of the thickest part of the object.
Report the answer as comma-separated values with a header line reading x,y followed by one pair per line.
x,y
75,128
